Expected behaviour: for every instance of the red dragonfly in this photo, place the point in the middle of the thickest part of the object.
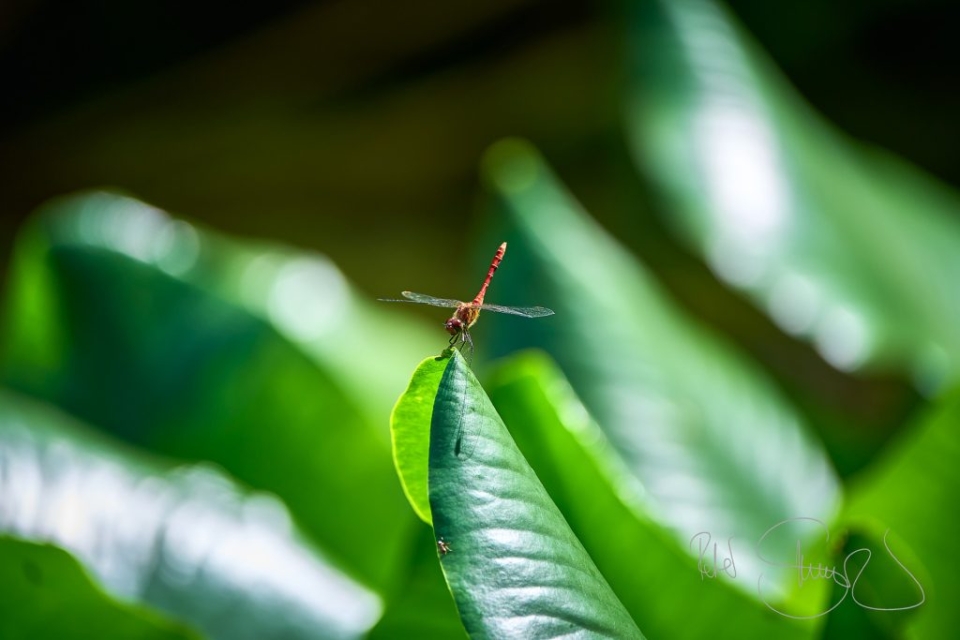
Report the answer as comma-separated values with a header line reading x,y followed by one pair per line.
x,y
466,314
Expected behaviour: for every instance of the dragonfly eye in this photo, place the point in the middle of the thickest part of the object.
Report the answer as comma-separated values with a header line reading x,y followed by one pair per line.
x,y
453,326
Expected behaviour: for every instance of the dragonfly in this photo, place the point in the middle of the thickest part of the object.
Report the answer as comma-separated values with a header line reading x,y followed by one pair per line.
x,y
467,313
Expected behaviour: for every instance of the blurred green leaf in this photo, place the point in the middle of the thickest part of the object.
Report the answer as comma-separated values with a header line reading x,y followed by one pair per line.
x,y
911,492
422,606
845,246
184,540
653,575
410,431
256,357
47,595
712,442
513,565
879,581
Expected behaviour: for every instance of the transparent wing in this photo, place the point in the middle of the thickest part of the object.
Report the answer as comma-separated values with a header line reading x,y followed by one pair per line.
x,y
526,312
422,298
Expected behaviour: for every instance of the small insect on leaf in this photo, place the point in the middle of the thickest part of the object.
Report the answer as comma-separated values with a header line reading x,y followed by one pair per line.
x,y
442,547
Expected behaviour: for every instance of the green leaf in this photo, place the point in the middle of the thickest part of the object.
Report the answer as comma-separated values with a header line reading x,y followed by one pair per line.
x,y
829,238
186,540
422,606
654,576
712,442
410,431
46,594
514,566
874,563
911,491
255,357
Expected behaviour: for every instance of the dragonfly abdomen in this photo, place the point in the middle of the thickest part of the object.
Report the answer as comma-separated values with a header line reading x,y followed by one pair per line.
x,y
497,257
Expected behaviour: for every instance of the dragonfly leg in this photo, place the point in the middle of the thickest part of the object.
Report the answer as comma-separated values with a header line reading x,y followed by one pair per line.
x,y
460,340
467,341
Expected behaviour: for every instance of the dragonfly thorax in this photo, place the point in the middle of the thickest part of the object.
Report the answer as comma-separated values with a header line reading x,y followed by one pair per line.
x,y
463,318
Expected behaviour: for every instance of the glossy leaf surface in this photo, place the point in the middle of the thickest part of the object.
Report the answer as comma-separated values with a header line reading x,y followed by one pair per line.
x,y
712,442
845,246
185,540
656,578
513,565
255,357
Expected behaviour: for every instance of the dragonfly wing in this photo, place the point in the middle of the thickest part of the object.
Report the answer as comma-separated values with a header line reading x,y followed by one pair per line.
x,y
526,312
422,298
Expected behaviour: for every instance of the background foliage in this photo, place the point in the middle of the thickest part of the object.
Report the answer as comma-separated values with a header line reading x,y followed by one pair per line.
x,y
756,316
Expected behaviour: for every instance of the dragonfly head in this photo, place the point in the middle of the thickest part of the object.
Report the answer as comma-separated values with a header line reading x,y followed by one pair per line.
x,y
453,326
